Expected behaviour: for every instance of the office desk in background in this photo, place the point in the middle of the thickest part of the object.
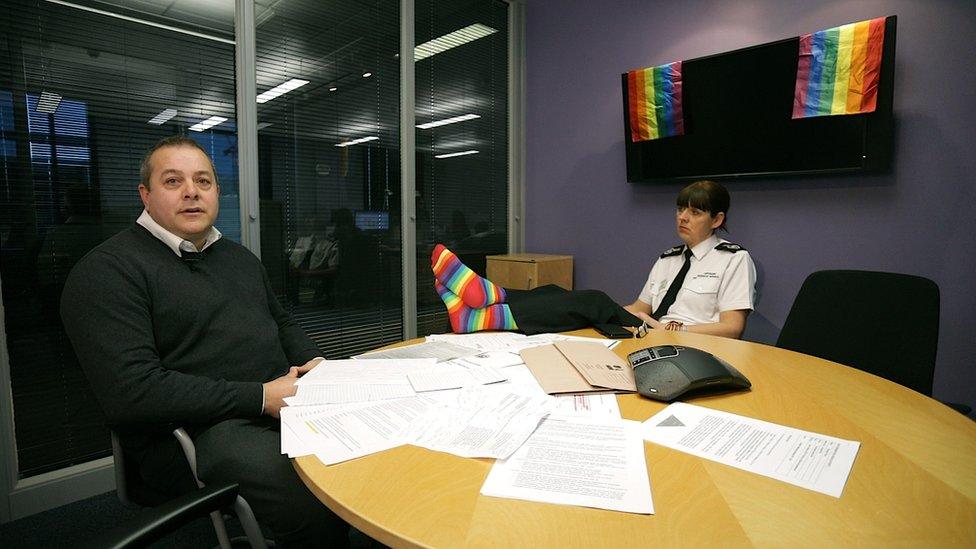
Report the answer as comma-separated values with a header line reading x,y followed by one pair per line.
x,y
914,480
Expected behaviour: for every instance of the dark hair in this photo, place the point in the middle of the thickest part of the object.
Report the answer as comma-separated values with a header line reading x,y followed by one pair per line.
x,y
707,196
145,169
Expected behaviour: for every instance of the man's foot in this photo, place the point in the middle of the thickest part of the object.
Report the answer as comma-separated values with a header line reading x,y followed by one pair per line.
x,y
466,319
475,291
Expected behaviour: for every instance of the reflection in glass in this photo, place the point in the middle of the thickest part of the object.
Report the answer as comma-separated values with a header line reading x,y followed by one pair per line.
x,y
462,139
329,162
78,90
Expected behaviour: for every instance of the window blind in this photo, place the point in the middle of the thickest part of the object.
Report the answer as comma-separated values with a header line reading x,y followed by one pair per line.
x,y
462,139
82,95
329,168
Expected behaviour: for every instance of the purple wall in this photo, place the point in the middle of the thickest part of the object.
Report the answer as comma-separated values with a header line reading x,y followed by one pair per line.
x,y
917,219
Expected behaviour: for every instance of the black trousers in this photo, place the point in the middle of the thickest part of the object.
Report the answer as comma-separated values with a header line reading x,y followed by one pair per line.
x,y
554,309
248,452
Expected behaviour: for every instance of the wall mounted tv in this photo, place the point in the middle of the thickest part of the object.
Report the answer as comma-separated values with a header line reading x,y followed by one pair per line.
x,y
737,121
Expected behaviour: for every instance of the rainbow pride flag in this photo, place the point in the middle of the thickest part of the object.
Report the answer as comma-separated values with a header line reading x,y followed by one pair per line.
x,y
838,70
654,97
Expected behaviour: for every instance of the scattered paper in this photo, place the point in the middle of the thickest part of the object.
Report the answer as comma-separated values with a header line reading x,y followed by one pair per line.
x,y
339,435
602,404
547,339
574,460
809,460
481,423
483,341
440,350
452,375
375,372
307,395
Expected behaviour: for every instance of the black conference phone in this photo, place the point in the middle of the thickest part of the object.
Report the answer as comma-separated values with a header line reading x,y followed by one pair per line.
x,y
667,372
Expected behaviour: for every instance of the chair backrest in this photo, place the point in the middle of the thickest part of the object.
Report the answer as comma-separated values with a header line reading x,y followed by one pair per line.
x,y
886,324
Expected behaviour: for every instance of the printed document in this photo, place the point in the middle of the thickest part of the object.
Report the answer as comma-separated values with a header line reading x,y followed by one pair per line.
x,y
344,381
342,434
343,393
591,404
375,372
482,422
808,460
452,375
483,341
441,350
575,460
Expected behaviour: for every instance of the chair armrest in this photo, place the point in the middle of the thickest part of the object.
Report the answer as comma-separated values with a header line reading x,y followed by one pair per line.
x,y
153,524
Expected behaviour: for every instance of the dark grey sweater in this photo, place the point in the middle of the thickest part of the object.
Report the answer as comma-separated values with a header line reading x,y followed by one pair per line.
x,y
166,341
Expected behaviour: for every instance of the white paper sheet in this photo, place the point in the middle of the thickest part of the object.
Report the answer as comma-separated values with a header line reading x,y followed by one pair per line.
x,y
483,341
590,404
495,359
521,380
482,422
339,435
813,461
546,339
371,372
453,374
291,443
575,460
441,350
342,393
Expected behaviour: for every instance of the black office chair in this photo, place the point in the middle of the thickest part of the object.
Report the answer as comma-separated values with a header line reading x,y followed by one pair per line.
x,y
886,324
133,492
152,524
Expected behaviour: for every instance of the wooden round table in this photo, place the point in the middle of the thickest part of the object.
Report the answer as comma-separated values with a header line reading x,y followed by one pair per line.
x,y
913,482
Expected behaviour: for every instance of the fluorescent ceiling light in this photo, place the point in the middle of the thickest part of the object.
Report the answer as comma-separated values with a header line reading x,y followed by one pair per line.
x,y
281,89
367,74
48,102
163,117
208,123
449,155
143,21
357,141
447,121
333,88
263,125
452,40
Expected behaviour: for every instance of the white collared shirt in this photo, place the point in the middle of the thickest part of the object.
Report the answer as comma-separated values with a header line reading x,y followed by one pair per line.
x,y
717,281
173,242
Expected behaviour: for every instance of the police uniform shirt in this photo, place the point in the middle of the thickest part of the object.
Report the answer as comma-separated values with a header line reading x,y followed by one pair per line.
x,y
719,279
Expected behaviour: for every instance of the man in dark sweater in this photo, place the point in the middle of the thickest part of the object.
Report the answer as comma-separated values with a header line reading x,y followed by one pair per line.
x,y
175,326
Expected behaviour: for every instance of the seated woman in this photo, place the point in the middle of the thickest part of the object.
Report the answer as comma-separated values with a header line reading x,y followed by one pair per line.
x,y
708,284
705,285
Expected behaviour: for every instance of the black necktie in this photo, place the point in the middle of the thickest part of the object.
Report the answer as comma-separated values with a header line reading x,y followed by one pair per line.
x,y
672,292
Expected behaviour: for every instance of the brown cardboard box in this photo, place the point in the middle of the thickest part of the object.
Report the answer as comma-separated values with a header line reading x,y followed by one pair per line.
x,y
527,271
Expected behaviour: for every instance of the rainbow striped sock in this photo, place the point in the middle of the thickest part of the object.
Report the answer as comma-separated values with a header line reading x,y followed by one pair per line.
x,y
475,291
466,319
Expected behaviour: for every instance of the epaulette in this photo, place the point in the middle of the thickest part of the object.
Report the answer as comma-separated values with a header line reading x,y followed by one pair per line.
x,y
729,247
673,251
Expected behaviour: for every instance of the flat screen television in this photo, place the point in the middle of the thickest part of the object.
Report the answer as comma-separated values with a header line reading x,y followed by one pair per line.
x,y
738,122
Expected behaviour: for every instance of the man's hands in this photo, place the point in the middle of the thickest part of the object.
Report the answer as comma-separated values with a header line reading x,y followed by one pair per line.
x,y
277,389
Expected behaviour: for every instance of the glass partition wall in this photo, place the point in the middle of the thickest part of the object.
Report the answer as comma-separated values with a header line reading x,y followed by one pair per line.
x,y
83,93
461,77
329,162
87,85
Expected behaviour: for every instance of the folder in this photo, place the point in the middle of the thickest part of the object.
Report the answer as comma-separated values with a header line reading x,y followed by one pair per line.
x,y
578,367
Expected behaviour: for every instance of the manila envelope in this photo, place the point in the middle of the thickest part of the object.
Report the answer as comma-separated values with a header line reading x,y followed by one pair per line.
x,y
554,372
600,366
